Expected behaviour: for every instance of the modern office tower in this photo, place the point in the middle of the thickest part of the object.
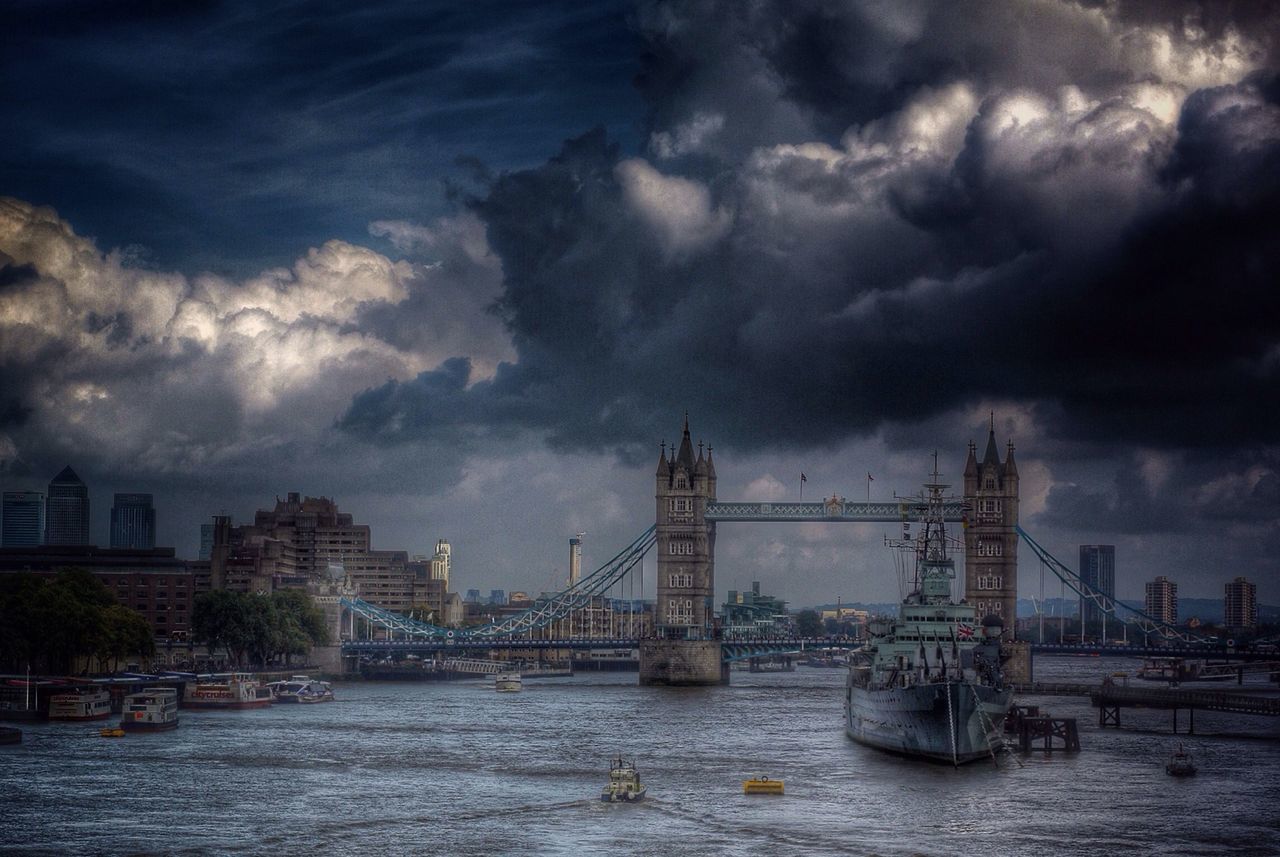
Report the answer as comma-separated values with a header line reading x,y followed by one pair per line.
x,y
66,515
1240,608
473,596
991,535
1162,600
206,541
133,521
497,597
23,520
1098,572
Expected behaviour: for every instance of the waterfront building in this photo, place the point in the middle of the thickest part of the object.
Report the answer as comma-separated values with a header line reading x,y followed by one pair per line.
x,y
1240,607
66,515
990,532
23,519
1098,572
294,544
751,614
1162,600
152,581
133,521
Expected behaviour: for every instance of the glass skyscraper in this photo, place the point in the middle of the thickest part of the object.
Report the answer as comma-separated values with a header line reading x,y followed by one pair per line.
x,y
1098,571
66,515
23,519
133,521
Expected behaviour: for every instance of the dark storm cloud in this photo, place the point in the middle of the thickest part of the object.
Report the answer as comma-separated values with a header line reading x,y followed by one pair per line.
x,y
1174,318
228,136
853,221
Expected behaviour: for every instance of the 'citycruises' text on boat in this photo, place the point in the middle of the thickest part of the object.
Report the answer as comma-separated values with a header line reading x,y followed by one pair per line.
x,y
154,710
929,685
230,691
301,689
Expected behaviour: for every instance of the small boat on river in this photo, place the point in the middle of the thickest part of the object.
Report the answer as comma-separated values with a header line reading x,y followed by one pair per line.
x,y
154,710
1180,764
301,689
624,783
507,682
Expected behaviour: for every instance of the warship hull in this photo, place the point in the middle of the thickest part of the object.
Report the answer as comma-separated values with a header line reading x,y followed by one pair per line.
x,y
947,721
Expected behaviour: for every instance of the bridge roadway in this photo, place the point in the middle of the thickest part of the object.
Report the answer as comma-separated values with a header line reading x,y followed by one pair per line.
x,y
1138,651
462,643
733,649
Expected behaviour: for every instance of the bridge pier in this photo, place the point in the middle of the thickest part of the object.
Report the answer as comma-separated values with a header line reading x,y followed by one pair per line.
x,y
682,663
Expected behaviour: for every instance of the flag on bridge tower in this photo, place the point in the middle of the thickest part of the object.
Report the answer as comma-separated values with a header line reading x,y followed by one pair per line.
x,y
804,478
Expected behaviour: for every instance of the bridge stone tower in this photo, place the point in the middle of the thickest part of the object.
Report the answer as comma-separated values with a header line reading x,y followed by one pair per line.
x,y
684,650
990,538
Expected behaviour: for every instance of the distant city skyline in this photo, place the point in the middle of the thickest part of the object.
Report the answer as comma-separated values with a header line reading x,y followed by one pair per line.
x,y
465,272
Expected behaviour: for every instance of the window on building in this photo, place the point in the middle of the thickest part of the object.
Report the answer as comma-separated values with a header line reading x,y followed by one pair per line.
x,y
681,481
680,547
990,547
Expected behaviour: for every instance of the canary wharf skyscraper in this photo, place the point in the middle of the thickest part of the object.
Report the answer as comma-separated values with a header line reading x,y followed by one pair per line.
x,y
133,521
66,517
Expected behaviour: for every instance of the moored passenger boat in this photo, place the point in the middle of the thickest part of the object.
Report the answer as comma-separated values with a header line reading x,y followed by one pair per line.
x,y
232,691
929,685
154,710
87,704
507,682
301,689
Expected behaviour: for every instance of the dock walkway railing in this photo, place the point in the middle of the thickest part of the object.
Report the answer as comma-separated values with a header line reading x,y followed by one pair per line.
x,y
1209,700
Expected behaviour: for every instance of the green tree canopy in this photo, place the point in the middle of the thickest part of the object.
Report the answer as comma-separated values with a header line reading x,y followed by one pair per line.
x,y
808,623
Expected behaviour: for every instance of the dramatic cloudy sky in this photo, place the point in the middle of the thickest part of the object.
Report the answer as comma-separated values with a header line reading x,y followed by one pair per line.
x,y
462,267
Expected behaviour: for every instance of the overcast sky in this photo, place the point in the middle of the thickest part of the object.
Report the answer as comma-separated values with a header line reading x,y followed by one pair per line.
x,y
463,266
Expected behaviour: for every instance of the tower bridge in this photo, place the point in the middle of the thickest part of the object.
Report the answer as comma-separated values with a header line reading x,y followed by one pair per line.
x,y
684,646
685,651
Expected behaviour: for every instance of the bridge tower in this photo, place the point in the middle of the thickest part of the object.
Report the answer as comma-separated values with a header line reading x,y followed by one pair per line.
x,y
991,537
684,650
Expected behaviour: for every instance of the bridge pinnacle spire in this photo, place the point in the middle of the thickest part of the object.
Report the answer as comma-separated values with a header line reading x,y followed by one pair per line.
x,y
685,455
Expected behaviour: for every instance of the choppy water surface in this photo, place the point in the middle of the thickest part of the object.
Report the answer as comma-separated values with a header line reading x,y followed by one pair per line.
x,y
459,769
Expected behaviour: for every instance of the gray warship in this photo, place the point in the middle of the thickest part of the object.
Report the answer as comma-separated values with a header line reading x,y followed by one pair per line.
x,y
928,685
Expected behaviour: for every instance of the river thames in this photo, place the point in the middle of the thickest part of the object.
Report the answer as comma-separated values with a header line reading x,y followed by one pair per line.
x,y
455,768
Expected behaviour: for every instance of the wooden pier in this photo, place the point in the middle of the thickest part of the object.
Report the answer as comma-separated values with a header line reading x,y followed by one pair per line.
x,y
1032,727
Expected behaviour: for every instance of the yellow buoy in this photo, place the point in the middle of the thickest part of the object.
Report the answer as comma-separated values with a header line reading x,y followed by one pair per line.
x,y
762,786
